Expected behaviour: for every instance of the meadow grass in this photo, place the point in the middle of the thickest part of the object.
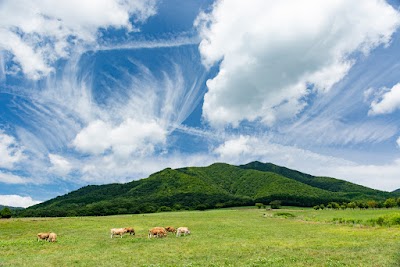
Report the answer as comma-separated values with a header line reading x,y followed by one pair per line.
x,y
226,237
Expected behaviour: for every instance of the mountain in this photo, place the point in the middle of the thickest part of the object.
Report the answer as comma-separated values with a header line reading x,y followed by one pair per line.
x,y
11,208
396,192
326,183
218,185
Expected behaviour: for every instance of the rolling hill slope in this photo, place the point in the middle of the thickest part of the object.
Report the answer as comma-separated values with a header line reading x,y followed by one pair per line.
x,y
218,185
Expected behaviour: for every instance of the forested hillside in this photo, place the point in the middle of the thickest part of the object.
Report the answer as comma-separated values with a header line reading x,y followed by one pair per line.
x,y
215,186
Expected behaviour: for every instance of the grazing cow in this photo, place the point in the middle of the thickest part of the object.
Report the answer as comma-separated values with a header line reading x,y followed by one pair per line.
x,y
42,236
52,237
130,230
182,230
157,232
117,231
170,229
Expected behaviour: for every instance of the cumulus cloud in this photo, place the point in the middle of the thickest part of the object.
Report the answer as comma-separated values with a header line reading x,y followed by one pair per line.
x,y
59,165
10,151
37,33
17,201
131,136
387,103
271,55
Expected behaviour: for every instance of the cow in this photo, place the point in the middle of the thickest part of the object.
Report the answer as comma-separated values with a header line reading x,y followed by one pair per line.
x,y
130,230
157,232
182,230
52,237
42,236
117,231
170,229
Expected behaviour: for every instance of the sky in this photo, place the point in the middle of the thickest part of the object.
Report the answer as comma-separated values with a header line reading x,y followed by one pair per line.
x,y
97,92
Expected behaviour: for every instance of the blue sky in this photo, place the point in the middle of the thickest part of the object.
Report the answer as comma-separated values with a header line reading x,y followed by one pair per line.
x,y
114,91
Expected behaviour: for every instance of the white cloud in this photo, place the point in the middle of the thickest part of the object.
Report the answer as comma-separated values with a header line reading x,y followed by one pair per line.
x,y
131,136
10,151
398,142
60,165
387,103
17,201
9,178
38,32
271,51
243,149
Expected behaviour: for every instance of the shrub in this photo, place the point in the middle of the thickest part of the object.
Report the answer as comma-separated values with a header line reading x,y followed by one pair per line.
x,y
275,204
390,203
259,205
5,213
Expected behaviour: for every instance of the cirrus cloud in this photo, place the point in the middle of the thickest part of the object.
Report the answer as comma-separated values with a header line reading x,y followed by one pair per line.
x,y
37,33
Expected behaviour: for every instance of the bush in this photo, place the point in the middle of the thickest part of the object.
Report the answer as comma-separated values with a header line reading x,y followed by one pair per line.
x,y
259,205
275,204
5,213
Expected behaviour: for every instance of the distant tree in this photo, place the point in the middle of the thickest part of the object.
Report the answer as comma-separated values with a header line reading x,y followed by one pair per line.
x,y
335,205
164,208
259,205
362,205
390,203
329,206
380,205
352,205
275,204
322,206
5,213
372,204
398,202
316,207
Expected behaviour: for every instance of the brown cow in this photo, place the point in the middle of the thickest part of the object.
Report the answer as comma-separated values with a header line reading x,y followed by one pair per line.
x,y
42,236
170,229
130,230
157,232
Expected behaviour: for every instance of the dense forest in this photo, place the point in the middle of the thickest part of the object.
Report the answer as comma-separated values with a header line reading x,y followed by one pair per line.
x,y
216,186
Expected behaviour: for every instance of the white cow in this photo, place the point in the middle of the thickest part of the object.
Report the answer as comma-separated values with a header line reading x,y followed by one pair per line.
x,y
182,230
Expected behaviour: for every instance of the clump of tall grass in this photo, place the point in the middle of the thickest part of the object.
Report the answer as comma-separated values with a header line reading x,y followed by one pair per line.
x,y
386,220
346,221
284,215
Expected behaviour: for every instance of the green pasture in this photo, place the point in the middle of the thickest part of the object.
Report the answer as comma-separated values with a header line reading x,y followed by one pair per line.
x,y
226,237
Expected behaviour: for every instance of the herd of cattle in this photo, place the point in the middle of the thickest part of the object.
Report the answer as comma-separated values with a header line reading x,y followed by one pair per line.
x,y
154,232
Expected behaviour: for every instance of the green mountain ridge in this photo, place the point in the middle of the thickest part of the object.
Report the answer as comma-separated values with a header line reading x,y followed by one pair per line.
x,y
214,186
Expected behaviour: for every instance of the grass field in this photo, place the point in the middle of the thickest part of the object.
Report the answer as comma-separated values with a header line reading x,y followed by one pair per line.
x,y
226,237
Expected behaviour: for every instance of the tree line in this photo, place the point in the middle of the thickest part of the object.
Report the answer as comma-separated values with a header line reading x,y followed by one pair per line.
x,y
369,204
